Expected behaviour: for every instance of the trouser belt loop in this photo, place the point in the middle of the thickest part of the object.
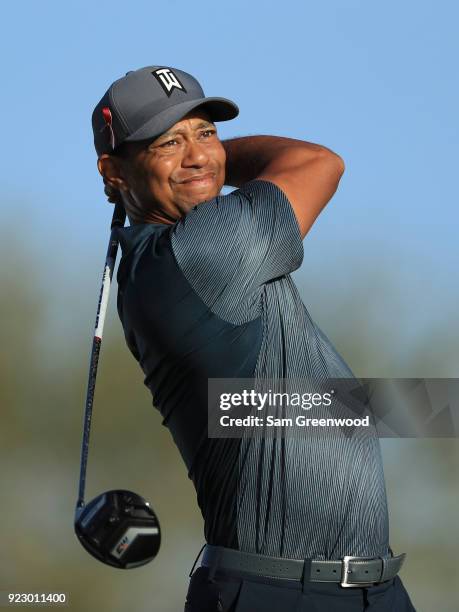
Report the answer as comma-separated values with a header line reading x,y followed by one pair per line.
x,y
384,569
306,575
214,565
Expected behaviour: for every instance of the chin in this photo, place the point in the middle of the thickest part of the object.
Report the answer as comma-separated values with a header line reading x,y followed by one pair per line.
x,y
205,196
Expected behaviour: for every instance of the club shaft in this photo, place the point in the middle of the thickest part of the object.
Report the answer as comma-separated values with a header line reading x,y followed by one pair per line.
x,y
118,220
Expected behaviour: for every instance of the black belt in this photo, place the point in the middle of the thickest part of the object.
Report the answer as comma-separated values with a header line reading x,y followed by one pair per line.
x,y
349,572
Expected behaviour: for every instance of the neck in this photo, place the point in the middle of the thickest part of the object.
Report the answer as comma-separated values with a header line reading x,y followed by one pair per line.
x,y
137,215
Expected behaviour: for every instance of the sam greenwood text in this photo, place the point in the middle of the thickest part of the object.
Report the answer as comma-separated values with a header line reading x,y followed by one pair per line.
x,y
298,421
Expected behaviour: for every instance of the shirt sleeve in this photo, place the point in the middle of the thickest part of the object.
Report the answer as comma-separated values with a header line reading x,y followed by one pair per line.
x,y
237,242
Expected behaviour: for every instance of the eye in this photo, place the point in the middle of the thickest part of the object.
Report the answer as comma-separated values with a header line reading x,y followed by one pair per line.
x,y
209,132
168,143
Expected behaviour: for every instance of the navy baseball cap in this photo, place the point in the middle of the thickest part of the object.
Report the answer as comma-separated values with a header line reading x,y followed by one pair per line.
x,y
147,102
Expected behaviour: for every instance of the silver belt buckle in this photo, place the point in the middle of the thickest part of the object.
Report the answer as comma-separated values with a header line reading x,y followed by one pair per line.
x,y
345,582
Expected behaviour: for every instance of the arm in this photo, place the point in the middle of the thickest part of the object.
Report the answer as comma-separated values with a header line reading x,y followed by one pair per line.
x,y
307,173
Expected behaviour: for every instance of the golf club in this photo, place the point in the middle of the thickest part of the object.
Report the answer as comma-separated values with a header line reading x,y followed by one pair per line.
x,y
117,527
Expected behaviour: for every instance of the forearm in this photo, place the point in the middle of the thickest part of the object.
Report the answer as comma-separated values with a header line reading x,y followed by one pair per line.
x,y
249,156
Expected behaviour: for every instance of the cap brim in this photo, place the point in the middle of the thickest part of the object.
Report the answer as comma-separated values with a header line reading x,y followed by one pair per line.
x,y
219,109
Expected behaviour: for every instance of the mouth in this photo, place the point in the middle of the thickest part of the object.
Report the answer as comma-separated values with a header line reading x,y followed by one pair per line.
x,y
201,180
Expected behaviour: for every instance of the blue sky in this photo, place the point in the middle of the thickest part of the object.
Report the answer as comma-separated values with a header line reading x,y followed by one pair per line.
x,y
373,81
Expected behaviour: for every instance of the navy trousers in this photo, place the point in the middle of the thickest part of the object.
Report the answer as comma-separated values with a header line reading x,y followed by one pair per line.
x,y
238,592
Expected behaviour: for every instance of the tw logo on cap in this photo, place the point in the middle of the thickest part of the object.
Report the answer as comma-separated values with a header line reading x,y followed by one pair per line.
x,y
168,80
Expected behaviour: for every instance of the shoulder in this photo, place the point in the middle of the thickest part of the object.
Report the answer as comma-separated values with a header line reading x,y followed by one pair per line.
x,y
260,202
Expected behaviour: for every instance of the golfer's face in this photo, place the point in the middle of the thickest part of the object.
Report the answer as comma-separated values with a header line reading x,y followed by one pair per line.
x,y
182,167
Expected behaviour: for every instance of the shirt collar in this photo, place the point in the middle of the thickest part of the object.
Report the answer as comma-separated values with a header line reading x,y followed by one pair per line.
x,y
131,236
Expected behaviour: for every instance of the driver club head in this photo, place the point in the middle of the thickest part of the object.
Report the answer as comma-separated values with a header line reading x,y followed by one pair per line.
x,y
119,528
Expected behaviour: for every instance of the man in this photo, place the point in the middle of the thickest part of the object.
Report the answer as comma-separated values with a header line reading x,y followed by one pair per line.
x,y
205,292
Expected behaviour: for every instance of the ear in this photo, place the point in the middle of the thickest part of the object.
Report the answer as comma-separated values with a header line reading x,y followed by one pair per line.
x,y
110,168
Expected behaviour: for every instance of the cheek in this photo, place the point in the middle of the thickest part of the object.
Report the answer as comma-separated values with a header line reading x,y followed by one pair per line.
x,y
159,176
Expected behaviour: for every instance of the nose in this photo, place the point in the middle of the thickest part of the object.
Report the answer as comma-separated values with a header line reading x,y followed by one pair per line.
x,y
195,155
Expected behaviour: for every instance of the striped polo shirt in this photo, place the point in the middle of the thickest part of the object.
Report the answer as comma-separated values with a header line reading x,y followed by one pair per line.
x,y
211,296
